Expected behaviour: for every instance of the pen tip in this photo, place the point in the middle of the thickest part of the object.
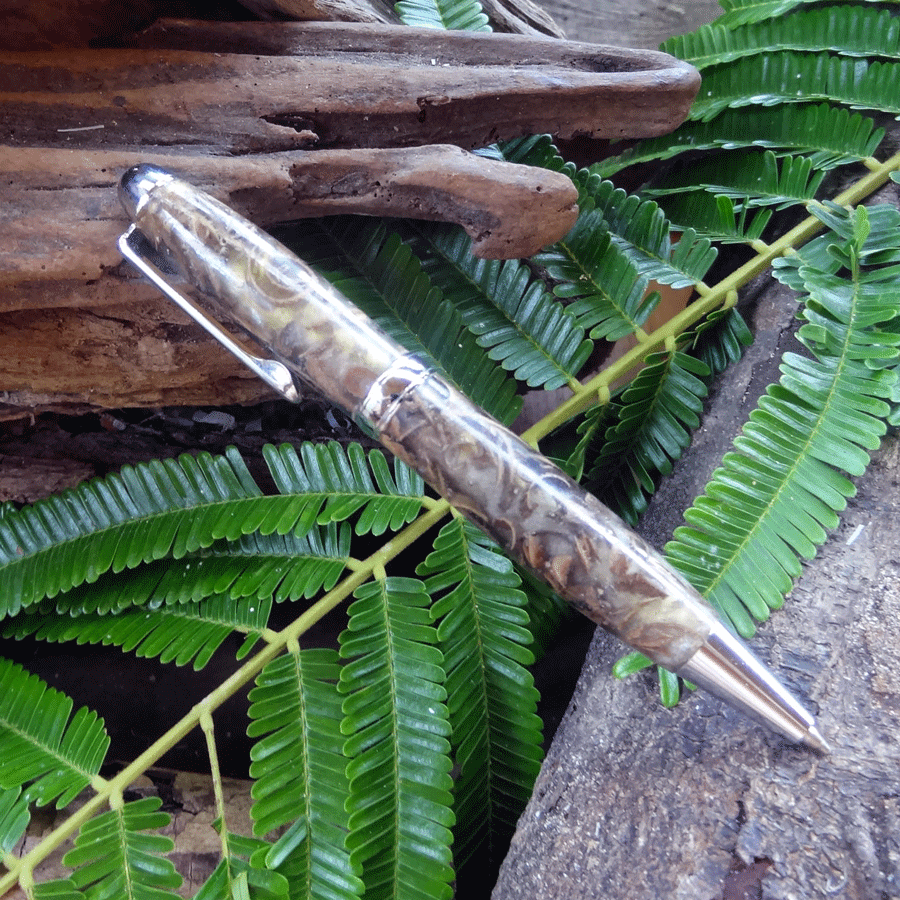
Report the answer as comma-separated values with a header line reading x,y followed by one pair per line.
x,y
815,740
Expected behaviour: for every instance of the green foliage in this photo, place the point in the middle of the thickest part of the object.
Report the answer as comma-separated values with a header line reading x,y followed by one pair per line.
x,y
301,784
786,478
865,33
459,15
54,754
383,769
396,718
115,857
484,635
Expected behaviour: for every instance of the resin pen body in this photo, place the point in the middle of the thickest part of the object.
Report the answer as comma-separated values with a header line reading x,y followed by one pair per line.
x,y
530,507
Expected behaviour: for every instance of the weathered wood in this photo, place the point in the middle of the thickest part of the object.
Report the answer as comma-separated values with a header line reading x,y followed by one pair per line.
x,y
60,213
376,86
324,10
229,115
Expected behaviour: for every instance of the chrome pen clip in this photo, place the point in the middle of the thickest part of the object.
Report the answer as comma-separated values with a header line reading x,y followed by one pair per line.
x,y
135,247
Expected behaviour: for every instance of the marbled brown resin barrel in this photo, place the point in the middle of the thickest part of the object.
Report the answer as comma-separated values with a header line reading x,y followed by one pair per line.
x,y
530,507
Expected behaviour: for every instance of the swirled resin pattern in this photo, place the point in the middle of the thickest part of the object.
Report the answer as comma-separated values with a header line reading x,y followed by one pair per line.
x,y
545,519
531,508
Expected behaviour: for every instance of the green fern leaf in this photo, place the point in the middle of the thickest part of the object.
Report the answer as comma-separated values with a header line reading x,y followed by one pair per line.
x,y
849,30
715,217
256,566
789,77
396,721
457,15
756,178
42,744
484,634
774,497
300,773
831,135
646,429
114,857
719,340
61,889
608,296
191,632
745,12
14,817
379,273
349,482
640,229
536,150
173,508
511,314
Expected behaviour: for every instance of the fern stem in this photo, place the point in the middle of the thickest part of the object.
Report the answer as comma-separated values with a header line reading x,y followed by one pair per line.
x,y
206,723
22,868
710,299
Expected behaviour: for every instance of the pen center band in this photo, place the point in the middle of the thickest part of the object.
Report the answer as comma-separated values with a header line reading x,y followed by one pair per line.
x,y
403,375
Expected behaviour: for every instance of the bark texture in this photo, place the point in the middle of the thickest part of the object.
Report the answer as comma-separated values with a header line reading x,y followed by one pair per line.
x,y
638,802
219,103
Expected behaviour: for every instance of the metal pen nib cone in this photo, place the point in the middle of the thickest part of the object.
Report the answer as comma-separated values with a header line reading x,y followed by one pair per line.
x,y
726,668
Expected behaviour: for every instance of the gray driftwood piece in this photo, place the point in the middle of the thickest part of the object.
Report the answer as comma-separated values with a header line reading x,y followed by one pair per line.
x,y
638,802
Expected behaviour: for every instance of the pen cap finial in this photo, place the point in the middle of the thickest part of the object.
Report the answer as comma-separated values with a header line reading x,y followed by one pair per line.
x,y
136,184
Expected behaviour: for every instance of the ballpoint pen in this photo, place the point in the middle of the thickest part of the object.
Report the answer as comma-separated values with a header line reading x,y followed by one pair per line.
x,y
543,518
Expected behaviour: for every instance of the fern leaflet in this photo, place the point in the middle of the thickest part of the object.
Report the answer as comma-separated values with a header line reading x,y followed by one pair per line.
x,y
301,785
395,717
496,735
774,497
513,317
798,78
832,136
42,745
867,33
114,857
458,15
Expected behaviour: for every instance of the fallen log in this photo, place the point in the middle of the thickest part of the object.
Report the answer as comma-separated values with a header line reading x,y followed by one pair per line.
x,y
357,136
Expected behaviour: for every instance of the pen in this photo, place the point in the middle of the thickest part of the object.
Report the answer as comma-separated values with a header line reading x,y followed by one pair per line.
x,y
544,519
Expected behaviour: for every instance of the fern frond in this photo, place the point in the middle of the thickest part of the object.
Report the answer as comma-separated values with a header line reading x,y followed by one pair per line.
x,y
719,340
60,889
349,481
754,177
848,30
789,77
387,282
513,317
42,745
831,135
645,430
300,773
484,634
715,217
113,855
190,632
396,721
780,490
609,297
173,508
640,229
458,15
14,817
746,12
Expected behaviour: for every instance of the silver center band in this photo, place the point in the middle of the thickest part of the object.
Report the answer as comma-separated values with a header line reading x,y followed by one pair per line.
x,y
403,375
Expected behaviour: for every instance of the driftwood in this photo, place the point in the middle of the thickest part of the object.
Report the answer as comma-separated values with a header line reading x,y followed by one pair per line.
x,y
228,114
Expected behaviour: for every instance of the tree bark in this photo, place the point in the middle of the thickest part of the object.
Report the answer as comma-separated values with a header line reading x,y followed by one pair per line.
x,y
638,802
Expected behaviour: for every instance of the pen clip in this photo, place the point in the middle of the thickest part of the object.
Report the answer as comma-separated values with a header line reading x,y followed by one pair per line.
x,y
135,247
